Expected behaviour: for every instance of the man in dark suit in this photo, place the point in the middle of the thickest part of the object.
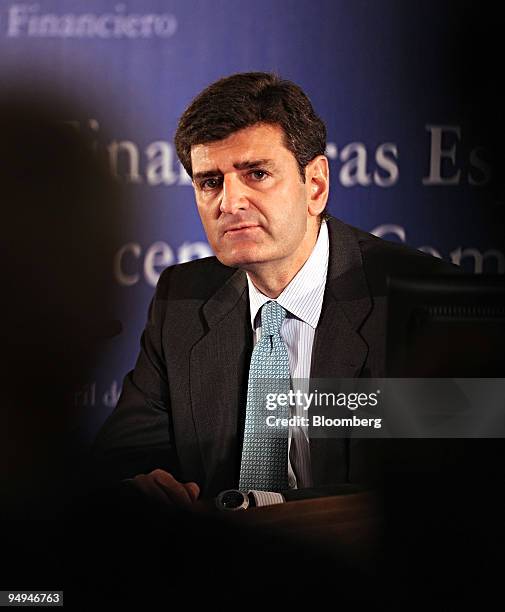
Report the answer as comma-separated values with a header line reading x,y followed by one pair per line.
x,y
255,151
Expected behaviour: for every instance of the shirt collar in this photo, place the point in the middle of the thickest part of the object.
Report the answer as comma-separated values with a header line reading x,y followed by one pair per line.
x,y
303,297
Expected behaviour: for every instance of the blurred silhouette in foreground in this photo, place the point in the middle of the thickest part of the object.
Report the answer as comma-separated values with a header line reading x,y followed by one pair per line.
x,y
60,214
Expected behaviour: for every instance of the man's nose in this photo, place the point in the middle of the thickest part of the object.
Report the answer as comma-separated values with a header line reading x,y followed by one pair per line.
x,y
233,196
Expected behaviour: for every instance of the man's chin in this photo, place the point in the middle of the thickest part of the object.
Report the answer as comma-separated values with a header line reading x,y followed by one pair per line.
x,y
246,260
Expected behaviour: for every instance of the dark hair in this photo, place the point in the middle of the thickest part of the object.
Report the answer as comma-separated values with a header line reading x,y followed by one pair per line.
x,y
245,99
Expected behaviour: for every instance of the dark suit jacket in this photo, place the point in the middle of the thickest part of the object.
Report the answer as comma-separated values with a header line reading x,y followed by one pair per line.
x,y
183,406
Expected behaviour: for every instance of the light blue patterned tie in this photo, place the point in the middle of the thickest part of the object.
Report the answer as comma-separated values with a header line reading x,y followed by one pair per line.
x,y
264,465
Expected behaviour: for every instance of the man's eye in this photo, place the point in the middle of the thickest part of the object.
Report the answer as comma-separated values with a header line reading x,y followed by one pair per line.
x,y
258,175
211,183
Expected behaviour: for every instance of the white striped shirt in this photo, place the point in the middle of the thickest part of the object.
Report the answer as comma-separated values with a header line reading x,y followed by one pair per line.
x,y
303,300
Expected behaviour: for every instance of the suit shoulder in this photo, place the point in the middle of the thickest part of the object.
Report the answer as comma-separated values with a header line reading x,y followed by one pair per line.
x,y
196,279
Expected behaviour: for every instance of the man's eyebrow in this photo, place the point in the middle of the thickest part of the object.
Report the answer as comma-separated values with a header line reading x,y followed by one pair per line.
x,y
265,163
244,165
206,174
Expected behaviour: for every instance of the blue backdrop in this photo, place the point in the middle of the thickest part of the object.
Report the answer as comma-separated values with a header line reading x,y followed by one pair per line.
x,y
407,90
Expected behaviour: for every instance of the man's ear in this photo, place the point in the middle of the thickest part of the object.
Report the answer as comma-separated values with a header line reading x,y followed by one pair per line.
x,y
317,182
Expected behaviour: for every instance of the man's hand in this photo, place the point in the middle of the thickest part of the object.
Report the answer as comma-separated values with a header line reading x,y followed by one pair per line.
x,y
162,488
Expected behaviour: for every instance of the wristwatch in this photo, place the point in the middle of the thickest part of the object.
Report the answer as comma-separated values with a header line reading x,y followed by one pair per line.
x,y
233,499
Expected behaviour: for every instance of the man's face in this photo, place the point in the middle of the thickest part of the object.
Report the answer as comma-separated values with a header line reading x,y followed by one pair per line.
x,y
252,202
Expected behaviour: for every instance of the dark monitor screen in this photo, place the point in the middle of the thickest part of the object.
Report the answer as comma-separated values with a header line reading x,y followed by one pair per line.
x,y
446,326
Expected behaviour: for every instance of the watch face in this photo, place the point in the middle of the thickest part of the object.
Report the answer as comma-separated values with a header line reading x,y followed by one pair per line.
x,y
232,500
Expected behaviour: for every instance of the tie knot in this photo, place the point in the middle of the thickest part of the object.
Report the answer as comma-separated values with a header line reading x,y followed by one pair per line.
x,y
272,316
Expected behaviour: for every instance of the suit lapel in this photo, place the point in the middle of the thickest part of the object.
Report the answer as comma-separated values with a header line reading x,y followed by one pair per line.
x,y
339,351
218,381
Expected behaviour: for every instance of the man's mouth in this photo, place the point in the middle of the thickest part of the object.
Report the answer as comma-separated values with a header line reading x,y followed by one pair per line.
x,y
240,228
